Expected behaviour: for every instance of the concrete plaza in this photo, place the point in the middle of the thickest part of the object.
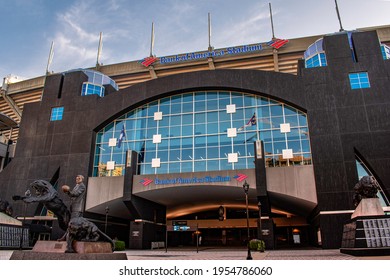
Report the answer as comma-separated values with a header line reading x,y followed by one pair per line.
x,y
233,254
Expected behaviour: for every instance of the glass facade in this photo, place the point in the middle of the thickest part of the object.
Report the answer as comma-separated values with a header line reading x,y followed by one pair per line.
x,y
56,114
315,55
89,89
318,60
96,82
203,131
385,51
359,80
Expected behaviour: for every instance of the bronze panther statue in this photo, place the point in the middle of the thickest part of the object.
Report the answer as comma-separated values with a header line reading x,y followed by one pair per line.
x,y
48,196
77,229
367,187
80,229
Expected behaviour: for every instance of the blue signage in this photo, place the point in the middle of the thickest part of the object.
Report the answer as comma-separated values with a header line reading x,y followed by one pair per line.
x,y
193,180
207,54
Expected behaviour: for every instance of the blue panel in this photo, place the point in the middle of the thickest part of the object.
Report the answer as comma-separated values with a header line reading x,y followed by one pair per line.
x,y
359,80
57,114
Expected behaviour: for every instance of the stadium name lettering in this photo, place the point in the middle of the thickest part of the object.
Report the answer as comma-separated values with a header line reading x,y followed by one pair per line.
x,y
194,180
207,54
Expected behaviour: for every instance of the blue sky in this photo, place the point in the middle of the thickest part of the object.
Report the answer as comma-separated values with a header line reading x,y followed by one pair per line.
x,y
29,26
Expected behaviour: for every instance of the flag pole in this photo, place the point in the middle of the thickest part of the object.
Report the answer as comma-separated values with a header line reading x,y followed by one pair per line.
x,y
338,16
127,142
99,50
152,41
272,22
50,59
209,29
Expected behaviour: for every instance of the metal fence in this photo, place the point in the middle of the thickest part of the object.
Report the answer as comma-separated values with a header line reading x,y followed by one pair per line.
x,y
14,237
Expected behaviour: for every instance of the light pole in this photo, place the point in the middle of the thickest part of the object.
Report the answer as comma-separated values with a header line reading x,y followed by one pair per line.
x,y
246,189
105,224
197,234
260,228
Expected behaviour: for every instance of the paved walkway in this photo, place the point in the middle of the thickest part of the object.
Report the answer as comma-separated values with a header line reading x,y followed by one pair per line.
x,y
241,254
233,254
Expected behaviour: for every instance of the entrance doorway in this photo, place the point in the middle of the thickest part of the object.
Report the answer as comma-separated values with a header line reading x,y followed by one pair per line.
x,y
212,237
291,237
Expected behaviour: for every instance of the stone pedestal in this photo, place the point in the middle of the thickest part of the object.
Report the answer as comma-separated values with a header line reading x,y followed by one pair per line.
x,y
30,255
368,231
368,207
367,236
79,246
55,250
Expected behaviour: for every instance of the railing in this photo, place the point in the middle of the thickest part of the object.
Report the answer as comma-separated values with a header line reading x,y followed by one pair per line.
x,y
14,237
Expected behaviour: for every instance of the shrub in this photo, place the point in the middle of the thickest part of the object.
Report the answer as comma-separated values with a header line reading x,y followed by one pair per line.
x,y
119,245
257,245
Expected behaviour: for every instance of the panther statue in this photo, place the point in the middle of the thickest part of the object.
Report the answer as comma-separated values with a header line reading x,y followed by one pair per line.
x,y
48,196
367,187
80,229
5,207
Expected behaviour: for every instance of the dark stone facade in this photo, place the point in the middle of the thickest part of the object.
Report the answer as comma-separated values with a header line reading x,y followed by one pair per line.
x,y
342,122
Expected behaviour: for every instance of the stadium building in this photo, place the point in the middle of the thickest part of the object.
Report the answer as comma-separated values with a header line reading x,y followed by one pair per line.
x,y
168,144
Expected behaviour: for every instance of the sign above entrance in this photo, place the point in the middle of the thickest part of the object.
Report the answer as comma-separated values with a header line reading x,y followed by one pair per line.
x,y
207,54
192,180
275,43
228,178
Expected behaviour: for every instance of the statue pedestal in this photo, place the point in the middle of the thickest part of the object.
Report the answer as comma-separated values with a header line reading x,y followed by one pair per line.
x,y
79,246
368,207
55,250
367,236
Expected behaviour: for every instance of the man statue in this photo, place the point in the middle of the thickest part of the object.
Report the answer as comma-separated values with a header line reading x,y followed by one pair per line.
x,y
77,196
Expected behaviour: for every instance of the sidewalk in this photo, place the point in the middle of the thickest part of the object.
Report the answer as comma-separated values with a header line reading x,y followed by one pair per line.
x,y
232,254
241,254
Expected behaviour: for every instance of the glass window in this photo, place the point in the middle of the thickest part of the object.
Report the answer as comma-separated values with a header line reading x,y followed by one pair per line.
x,y
200,96
359,80
200,106
186,166
200,129
212,104
200,153
96,83
315,55
186,130
363,170
165,109
385,52
176,108
57,114
197,139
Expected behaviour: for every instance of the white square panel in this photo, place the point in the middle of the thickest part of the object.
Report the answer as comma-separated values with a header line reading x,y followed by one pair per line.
x,y
233,157
232,132
285,127
156,162
110,165
157,116
287,153
112,142
231,108
157,138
